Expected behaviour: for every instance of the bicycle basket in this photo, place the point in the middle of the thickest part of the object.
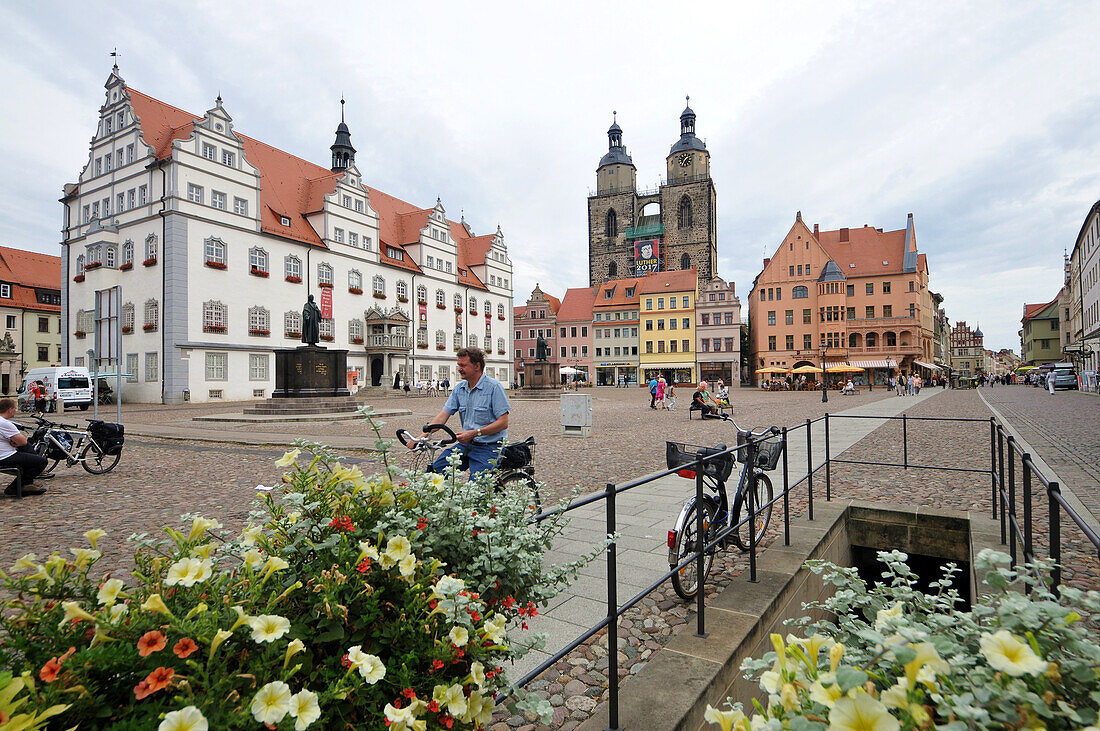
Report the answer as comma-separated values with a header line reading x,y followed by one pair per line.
x,y
678,454
768,451
514,456
107,435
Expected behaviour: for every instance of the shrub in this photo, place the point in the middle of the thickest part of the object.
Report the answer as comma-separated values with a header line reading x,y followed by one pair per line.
x,y
348,602
899,658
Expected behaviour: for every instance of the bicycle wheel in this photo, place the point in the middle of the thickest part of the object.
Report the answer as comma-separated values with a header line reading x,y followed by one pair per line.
x,y
762,496
686,581
94,460
42,448
522,483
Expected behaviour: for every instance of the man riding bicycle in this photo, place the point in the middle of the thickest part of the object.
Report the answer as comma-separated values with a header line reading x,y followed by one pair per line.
x,y
483,408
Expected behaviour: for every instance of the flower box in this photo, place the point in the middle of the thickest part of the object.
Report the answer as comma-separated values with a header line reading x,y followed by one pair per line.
x,y
149,262
126,267
325,285
93,265
440,307
328,338
149,327
78,278
126,329
292,334
293,279
422,345
357,341
213,328
79,334
357,290
441,347
502,352
257,272
458,310
379,296
500,317
216,265
421,302
473,310
259,331
402,298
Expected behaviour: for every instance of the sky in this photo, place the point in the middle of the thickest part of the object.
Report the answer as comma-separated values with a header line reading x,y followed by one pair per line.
x,y
982,119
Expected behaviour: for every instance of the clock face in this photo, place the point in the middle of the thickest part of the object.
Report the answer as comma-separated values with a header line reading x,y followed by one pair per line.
x,y
685,159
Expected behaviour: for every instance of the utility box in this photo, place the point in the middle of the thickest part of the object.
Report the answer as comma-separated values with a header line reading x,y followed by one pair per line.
x,y
576,415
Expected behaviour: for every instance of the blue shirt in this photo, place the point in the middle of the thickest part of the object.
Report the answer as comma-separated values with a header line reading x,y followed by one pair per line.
x,y
479,406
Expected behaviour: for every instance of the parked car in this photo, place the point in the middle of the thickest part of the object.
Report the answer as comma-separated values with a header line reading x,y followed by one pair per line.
x,y
1064,376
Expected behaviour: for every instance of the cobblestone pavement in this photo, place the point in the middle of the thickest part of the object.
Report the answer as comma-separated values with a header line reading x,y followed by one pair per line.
x,y
1064,429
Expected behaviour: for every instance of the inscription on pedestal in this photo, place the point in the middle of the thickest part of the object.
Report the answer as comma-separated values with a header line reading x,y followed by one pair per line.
x,y
310,371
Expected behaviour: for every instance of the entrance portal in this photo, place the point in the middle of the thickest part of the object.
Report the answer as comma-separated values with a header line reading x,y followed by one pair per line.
x,y
376,369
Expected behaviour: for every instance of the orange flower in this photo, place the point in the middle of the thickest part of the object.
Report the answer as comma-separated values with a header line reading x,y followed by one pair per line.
x,y
4,718
142,689
185,647
150,642
49,671
159,678
67,654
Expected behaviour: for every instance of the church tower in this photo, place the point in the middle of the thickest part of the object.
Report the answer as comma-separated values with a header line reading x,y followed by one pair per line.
x,y
611,211
688,204
343,154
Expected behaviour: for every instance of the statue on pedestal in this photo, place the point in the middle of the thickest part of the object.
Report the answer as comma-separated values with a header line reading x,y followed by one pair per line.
x,y
542,349
311,322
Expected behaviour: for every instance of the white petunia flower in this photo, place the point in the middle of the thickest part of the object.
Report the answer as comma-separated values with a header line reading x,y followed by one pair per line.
x,y
304,708
272,702
188,718
268,627
108,593
458,636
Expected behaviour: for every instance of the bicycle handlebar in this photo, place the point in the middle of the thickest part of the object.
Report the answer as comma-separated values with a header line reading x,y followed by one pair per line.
x,y
774,430
411,442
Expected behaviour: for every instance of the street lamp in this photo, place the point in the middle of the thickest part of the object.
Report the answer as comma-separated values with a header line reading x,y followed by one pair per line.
x,y
824,388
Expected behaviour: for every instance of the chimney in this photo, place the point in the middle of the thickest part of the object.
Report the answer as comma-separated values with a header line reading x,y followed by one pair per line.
x,y
815,230
766,262
843,235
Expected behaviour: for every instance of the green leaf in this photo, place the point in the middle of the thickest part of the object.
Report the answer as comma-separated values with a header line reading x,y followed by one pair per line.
x,y
848,678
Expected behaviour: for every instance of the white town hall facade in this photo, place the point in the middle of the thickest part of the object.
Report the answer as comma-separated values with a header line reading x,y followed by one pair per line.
x,y
217,239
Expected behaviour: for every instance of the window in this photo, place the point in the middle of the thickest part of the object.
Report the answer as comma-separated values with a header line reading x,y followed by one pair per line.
x,y
214,251
886,288
152,315
292,324
500,312
779,293
649,346
440,340
807,318
108,162
870,287
43,352
358,205
672,323
403,290
87,214
792,270
228,158
672,346
194,193
143,194
704,346
431,261
891,339
563,351
355,280
131,367
488,307
214,316
324,274
128,317
788,317
706,318
79,270
43,324
913,310
240,206
131,199
120,203
259,321
338,235
292,267
217,365
209,152
685,323
353,238
912,285
355,330
109,259
257,366
808,342
685,346
257,260
95,209
441,299
649,324
473,306
611,224
887,310
683,216
790,342
129,153
771,293
685,262
660,346
870,312
799,293
612,270
327,328
152,370
729,318
771,342
771,317
661,303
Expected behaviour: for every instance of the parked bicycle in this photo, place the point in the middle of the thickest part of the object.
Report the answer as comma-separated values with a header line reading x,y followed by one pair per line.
x,y
683,540
515,471
97,448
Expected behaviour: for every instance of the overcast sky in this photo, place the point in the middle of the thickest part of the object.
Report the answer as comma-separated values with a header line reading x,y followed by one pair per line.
x,y
982,119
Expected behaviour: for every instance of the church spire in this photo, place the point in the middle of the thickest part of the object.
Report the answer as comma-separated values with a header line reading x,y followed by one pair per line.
x,y
343,154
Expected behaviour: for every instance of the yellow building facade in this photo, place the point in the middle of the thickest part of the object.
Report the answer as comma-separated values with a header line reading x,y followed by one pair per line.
x,y
667,326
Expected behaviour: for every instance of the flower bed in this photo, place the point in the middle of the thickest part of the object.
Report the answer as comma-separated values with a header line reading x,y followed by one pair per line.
x,y
357,341
149,262
458,310
332,609
293,279
440,307
356,290
328,338
79,333
126,267
500,317
900,658
422,302
502,352
422,345
257,272
292,334
441,347
213,328
78,278
216,264
473,310
149,327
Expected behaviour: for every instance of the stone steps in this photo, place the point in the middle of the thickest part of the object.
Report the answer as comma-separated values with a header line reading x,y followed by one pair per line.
x,y
320,405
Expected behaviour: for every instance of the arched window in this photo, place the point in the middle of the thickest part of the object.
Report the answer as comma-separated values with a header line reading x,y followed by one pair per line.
x,y
402,290
215,316
292,324
685,262
324,274
500,312
440,340
128,318
257,261
891,339
488,347
440,299
500,345
471,341
872,340
151,249
611,225
458,303
292,266
355,331
800,293
421,294
127,252
683,219
152,315
214,251
853,340
80,264
355,281
378,286
259,321
488,307
612,270
473,307
421,337
327,328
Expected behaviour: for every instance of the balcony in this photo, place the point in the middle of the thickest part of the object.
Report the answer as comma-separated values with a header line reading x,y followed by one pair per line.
x,y
901,350
387,342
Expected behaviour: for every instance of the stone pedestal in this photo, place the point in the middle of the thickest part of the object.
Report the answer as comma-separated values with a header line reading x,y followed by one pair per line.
x,y
541,374
310,372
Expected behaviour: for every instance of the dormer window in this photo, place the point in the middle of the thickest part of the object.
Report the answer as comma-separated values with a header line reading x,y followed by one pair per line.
x,y
228,158
209,152
285,221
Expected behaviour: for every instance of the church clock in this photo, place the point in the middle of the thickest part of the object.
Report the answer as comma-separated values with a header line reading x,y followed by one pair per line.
x,y
685,159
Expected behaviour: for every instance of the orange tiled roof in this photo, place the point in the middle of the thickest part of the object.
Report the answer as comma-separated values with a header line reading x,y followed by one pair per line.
x,y
576,305
867,248
27,271
1031,311
682,280
618,298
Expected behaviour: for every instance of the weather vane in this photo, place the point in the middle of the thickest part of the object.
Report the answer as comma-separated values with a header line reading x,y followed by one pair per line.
x,y
115,55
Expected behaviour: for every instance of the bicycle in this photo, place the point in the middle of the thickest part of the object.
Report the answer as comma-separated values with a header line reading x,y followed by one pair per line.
x,y
97,448
684,538
514,471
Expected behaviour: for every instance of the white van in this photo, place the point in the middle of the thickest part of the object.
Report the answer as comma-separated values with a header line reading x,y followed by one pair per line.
x,y
71,383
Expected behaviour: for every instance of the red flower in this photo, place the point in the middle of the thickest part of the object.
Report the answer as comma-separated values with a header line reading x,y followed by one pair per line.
x,y
185,647
342,523
523,625
364,566
446,720
150,642
421,524
345,661
142,689
50,670
410,693
433,707
159,679
436,665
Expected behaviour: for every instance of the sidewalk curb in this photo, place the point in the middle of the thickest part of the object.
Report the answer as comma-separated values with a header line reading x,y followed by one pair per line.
x,y
1066,489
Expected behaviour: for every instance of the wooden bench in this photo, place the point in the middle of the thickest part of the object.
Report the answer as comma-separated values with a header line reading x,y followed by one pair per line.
x,y
853,392
18,475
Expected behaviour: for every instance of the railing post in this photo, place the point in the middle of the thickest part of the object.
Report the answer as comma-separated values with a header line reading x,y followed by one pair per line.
x,y
752,452
828,476
1011,451
1029,547
701,531
1001,478
786,497
904,442
993,464
810,467
612,616
1054,508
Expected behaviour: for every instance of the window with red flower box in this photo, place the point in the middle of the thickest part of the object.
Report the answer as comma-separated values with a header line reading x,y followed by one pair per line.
x,y
78,278
151,261
127,266
293,279
355,290
216,264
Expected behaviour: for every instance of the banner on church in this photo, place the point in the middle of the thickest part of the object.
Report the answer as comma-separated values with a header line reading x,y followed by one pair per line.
x,y
648,257
423,314
326,303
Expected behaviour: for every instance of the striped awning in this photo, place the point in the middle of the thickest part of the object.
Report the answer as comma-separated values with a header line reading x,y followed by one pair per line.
x,y
871,363
929,366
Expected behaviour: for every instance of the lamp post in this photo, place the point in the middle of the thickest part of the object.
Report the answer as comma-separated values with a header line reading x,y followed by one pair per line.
x,y
824,388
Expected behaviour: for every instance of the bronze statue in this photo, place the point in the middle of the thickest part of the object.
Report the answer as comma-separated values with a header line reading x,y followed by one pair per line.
x,y
311,322
542,349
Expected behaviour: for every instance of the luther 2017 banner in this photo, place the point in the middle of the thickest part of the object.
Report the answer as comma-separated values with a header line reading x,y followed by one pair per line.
x,y
424,314
647,257
326,303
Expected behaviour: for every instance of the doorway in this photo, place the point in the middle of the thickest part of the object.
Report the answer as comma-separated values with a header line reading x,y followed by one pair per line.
x,y
376,369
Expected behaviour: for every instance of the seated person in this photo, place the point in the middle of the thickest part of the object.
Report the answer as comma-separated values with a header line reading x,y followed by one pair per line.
x,y
702,400
14,451
849,387
723,394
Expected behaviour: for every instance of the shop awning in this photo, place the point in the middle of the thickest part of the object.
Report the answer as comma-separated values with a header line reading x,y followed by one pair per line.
x,y
871,363
929,366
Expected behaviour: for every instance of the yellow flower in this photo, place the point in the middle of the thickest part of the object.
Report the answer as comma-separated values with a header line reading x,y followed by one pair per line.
x,y
253,559
288,458
1008,654
219,637
825,691
26,563
726,719
268,627
369,666
366,550
836,652
242,617
94,535
108,593
926,653
201,525
117,612
293,648
155,604
446,586
40,574
437,481
188,572
275,564
73,610
494,629
885,615
55,563
896,696
197,610
84,556
861,712
812,646
788,697
398,548
251,534
479,709
450,697
407,565
458,636
203,551
304,707
271,703
477,674
188,718
403,719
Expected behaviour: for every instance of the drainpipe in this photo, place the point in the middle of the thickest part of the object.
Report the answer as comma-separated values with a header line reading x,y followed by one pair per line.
x,y
161,254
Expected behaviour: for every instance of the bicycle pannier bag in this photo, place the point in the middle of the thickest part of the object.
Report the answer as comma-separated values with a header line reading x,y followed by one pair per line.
x,y
109,436
515,456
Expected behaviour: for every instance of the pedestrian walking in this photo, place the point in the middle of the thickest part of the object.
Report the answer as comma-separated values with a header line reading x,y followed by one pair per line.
x,y
1050,382
670,396
893,383
653,392
917,382
661,384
